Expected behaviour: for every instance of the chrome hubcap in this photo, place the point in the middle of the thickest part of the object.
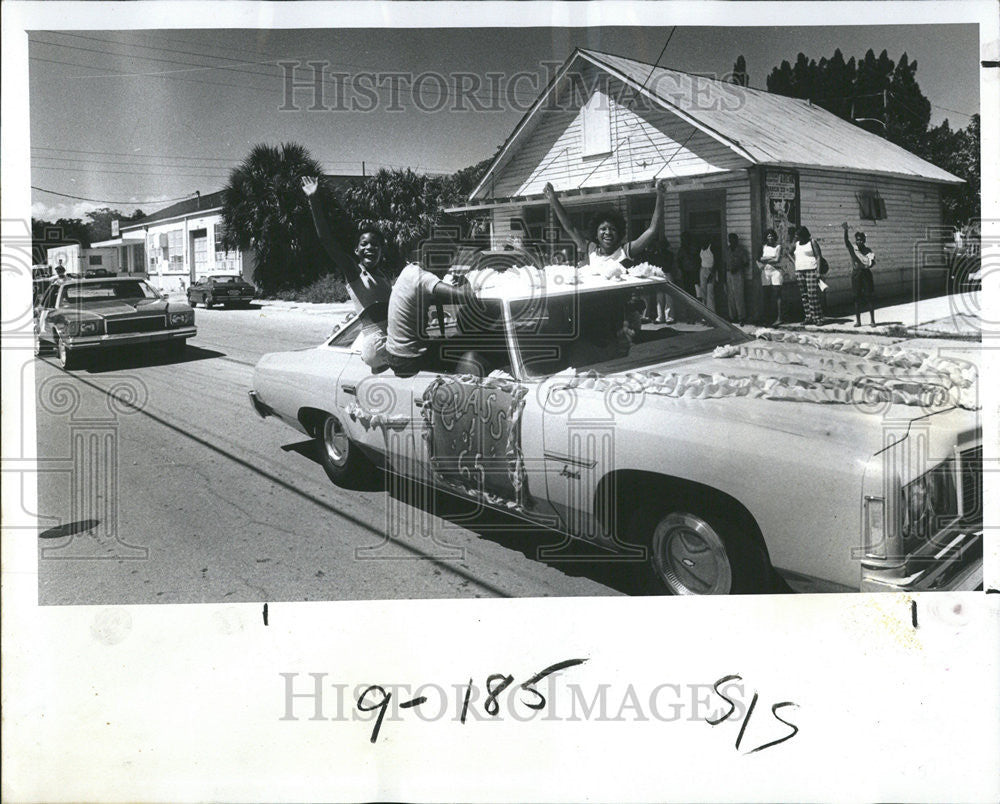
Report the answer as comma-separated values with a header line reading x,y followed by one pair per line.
x,y
335,441
690,556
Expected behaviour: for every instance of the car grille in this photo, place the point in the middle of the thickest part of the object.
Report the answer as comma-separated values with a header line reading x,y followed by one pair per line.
x,y
972,483
147,324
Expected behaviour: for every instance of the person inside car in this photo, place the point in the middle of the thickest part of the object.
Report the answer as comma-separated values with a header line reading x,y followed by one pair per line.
x,y
415,289
368,282
605,244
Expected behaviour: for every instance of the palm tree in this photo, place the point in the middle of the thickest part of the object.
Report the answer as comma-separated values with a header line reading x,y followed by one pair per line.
x,y
264,211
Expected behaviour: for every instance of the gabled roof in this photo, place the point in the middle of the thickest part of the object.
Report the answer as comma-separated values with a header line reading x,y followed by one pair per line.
x,y
766,128
212,202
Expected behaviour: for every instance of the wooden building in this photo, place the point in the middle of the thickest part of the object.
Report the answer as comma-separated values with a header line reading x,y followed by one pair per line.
x,y
736,160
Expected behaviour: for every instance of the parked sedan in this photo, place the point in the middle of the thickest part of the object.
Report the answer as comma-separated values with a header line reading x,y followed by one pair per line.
x,y
80,317
728,461
225,289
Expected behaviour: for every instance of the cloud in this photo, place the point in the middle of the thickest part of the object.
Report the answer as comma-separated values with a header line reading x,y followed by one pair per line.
x,y
69,208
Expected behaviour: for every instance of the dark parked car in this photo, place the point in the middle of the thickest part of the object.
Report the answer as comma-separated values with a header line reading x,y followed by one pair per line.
x,y
225,289
80,317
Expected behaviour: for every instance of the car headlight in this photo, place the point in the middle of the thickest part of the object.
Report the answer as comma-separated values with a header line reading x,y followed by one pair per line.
x,y
874,527
88,327
182,319
930,502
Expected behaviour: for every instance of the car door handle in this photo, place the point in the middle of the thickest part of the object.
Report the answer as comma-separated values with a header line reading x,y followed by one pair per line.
x,y
350,389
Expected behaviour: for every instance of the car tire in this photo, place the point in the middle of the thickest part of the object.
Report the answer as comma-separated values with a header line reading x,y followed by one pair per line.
x,y
41,347
342,460
68,358
697,549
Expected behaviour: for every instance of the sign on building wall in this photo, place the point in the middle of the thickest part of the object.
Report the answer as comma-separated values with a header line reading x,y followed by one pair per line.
x,y
781,202
115,227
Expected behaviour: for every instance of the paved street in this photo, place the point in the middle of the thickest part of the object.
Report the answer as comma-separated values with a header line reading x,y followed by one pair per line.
x,y
214,504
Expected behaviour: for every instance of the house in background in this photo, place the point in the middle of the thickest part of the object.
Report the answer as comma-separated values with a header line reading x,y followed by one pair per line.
x,y
183,242
78,259
735,159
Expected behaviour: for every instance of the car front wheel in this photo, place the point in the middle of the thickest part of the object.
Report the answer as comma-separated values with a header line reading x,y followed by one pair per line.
x,y
344,463
68,358
697,550
41,347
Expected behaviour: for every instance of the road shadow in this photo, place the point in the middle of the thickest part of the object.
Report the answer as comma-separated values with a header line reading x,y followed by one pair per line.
x,y
69,529
574,558
124,358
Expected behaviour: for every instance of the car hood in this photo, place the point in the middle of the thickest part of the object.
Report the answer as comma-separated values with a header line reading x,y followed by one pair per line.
x,y
857,420
116,308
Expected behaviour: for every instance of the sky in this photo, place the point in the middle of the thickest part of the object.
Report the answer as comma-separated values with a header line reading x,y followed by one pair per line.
x,y
137,118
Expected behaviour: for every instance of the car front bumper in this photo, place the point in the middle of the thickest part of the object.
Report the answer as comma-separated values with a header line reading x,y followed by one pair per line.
x,y
128,338
957,566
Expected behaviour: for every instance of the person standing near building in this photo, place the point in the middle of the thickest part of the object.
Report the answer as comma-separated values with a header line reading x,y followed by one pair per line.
x,y
739,268
771,275
808,253
707,275
862,281
60,272
657,303
688,265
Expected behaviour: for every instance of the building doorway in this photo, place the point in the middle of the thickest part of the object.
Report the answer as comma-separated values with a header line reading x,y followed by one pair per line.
x,y
199,253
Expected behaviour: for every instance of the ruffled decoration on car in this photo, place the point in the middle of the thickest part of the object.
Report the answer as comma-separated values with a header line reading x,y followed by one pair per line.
x,y
375,421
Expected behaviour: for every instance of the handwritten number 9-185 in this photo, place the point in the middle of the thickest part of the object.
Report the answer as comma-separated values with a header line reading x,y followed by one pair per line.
x,y
376,697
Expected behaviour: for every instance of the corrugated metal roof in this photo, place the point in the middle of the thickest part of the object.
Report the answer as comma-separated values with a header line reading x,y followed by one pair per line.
x,y
771,129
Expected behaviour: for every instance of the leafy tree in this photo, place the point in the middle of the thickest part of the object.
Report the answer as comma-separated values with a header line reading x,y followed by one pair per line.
x,y
739,74
99,225
885,98
62,232
264,211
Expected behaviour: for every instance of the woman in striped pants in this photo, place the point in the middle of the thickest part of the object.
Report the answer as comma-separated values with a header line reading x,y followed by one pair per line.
x,y
807,256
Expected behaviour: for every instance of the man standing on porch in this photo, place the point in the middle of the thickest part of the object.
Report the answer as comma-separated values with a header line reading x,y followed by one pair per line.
x,y
739,273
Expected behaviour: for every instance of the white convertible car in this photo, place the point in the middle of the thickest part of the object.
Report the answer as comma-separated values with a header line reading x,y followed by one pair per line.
x,y
727,460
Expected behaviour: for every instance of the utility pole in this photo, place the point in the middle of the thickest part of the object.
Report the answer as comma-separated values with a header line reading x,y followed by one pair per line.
x,y
362,168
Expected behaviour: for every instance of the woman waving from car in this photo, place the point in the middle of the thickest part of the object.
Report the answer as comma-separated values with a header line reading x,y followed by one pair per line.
x,y
604,243
368,283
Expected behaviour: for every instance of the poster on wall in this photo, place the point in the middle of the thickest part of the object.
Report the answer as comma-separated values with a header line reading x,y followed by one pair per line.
x,y
781,202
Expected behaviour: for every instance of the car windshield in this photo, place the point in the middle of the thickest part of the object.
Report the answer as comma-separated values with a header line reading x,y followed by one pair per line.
x,y
608,331
84,292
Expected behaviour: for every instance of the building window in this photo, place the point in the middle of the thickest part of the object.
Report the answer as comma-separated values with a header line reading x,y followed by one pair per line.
x,y
596,125
95,260
174,252
871,206
225,261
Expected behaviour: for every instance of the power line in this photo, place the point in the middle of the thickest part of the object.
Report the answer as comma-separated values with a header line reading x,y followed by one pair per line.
x,y
166,77
128,172
442,89
133,165
105,201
